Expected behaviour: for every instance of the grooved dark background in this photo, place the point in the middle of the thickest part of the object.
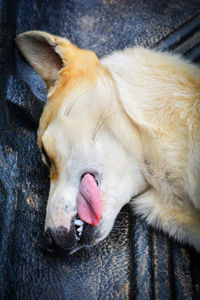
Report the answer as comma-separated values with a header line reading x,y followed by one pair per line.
x,y
134,262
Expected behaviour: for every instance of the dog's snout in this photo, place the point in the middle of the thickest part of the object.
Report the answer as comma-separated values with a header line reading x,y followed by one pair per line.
x,y
60,240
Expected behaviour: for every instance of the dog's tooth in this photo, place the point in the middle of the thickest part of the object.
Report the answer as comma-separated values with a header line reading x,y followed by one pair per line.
x,y
77,237
79,233
80,229
78,222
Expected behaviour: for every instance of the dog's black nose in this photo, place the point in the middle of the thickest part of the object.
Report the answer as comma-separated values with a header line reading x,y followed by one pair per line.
x,y
59,240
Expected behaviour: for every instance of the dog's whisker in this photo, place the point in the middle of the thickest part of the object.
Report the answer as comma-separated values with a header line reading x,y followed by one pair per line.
x,y
68,109
119,224
98,128
97,124
101,124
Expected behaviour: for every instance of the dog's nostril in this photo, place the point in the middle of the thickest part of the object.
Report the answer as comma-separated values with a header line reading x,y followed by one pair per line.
x,y
50,241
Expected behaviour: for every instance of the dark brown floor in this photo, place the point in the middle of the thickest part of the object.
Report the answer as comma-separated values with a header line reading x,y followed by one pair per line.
x,y
134,262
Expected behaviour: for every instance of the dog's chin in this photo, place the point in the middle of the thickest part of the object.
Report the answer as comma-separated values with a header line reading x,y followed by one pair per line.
x,y
91,236
87,241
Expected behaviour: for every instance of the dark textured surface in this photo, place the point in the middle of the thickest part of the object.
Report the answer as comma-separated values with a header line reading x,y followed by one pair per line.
x,y
134,262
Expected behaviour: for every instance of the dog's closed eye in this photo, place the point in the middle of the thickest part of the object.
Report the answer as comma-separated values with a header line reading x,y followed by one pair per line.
x,y
45,157
50,162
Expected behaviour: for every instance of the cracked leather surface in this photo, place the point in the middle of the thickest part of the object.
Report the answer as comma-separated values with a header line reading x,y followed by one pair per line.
x,y
134,262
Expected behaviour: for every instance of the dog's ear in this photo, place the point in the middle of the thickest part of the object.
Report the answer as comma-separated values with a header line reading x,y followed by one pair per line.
x,y
45,52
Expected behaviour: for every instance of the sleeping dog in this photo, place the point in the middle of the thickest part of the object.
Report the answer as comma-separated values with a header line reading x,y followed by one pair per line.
x,y
122,129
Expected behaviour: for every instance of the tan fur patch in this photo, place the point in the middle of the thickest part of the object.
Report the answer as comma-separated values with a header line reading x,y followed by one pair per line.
x,y
55,167
54,173
82,67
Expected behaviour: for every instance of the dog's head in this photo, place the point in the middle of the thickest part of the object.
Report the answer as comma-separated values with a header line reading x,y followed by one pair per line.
x,y
89,144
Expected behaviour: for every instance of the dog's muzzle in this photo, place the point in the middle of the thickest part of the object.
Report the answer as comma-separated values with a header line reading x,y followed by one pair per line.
x,y
83,227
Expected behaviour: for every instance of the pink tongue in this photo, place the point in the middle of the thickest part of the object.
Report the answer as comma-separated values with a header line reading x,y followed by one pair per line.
x,y
88,201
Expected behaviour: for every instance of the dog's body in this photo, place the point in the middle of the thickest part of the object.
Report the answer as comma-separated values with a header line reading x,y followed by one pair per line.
x,y
131,122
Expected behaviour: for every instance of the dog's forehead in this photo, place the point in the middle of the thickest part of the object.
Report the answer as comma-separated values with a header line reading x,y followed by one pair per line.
x,y
82,100
59,107
72,124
